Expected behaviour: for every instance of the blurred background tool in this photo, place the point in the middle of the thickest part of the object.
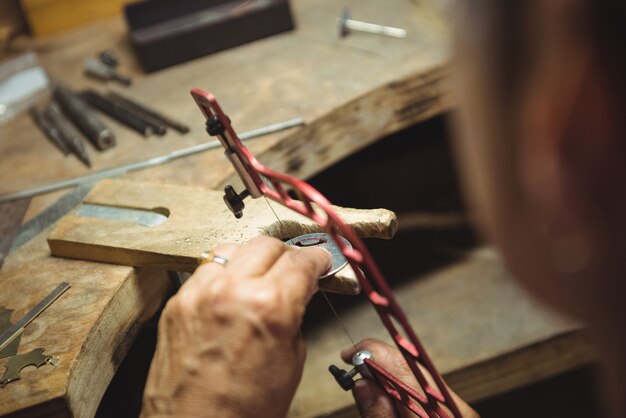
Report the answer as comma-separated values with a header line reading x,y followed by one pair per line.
x,y
157,124
32,227
51,131
109,58
164,33
151,162
11,215
97,132
347,24
147,113
67,132
117,112
101,71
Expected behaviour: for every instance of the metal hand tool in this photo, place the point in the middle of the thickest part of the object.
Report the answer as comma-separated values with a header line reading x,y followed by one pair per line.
x,y
347,24
162,159
50,215
144,110
67,132
48,128
434,400
11,215
110,108
98,69
109,58
10,338
86,120
159,127
16,329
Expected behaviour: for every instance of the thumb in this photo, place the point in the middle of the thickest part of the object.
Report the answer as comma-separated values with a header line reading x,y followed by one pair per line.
x,y
372,401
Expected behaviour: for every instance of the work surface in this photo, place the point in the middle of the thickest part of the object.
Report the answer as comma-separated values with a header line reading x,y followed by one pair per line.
x,y
480,329
386,84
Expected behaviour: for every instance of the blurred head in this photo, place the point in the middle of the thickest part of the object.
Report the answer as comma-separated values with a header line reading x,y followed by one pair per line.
x,y
542,144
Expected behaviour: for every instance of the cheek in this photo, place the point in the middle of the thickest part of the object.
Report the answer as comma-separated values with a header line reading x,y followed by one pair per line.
x,y
488,175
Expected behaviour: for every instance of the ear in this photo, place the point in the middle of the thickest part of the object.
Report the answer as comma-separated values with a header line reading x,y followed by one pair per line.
x,y
550,109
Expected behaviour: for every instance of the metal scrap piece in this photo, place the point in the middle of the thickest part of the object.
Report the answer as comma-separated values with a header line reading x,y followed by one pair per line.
x,y
16,363
139,216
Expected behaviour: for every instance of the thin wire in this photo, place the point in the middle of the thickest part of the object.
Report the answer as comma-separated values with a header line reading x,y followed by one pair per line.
x,y
343,325
332,308
279,221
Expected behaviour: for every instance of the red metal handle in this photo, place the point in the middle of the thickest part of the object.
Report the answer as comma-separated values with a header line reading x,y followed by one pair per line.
x,y
432,399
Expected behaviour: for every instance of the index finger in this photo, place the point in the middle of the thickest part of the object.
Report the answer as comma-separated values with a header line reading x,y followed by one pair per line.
x,y
299,269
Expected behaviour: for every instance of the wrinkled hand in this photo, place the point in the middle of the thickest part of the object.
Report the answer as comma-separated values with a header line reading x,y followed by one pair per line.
x,y
229,342
371,399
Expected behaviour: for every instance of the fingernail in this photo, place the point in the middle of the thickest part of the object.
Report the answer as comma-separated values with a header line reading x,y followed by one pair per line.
x,y
363,393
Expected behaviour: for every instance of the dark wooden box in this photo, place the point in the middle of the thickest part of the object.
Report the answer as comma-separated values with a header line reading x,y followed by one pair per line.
x,y
166,32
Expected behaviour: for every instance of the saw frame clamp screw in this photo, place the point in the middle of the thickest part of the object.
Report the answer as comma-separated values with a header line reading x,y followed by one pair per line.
x,y
344,378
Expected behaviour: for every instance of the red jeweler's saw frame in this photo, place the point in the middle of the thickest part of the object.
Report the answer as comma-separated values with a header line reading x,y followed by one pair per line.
x,y
434,399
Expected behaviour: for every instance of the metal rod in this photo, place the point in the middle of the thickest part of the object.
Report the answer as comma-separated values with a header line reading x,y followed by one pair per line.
x,y
51,131
151,162
108,107
346,24
143,109
68,132
158,125
84,117
375,28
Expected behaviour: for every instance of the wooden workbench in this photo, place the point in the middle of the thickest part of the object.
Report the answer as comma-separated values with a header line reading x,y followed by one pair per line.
x,y
386,83
351,92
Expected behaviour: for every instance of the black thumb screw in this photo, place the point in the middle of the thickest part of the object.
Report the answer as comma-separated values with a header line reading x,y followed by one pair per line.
x,y
234,201
344,378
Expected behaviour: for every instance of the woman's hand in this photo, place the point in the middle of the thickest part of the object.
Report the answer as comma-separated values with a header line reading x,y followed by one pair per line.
x,y
229,342
371,399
